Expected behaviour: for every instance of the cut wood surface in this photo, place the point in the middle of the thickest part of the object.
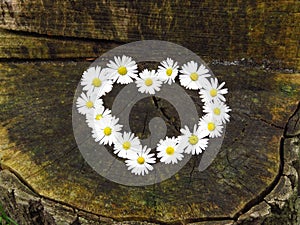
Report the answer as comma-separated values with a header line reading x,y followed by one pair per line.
x,y
266,32
253,46
37,144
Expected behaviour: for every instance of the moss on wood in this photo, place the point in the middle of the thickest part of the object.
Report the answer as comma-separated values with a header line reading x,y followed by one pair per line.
x,y
37,144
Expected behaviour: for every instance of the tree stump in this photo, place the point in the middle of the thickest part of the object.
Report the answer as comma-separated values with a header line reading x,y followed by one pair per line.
x,y
254,178
255,169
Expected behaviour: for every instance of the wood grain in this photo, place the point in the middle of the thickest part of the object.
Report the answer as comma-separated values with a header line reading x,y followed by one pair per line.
x,y
264,32
23,46
252,45
37,143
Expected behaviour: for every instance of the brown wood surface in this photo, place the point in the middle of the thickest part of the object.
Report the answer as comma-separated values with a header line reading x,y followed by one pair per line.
x,y
266,32
251,45
37,143
24,46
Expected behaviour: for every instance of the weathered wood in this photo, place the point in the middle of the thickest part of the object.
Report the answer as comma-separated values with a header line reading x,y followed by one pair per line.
x,y
280,206
292,128
264,31
30,209
23,46
37,143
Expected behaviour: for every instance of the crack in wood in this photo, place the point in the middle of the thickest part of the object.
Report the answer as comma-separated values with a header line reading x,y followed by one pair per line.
x,y
52,162
268,189
164,114
263,120
246,208
295,121
249,206
61,37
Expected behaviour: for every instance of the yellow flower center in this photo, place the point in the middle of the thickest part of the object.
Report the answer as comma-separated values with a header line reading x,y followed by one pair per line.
x,y
194,76
193,139
211,126
98,117
217,111
89,104
213,92
96,82
126,145
107,131
140,160
170,150
122,70
148,82
169,71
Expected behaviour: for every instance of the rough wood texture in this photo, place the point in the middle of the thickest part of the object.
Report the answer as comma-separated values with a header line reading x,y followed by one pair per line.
x,y
37,145
253,180
24,46
264,31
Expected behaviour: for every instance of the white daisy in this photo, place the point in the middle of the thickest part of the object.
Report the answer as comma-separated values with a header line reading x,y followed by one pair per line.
x,y
96,80
107,130
193,142
209,124
192,77
96,115
139,163
219,110
213,91
168,71
86,103
126,144
122,69
168,151
148,82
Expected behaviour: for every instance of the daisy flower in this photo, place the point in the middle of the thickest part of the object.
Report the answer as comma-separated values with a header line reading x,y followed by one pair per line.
x,y
168,71
107,130
209,124
168,151
193,142
126,144
192,77
122,69
139,163
219,110
213,91
96,115
86,103
96,80
148,82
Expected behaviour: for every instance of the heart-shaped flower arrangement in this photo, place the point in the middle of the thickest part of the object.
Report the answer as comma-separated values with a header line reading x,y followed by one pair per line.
x,y
97,82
